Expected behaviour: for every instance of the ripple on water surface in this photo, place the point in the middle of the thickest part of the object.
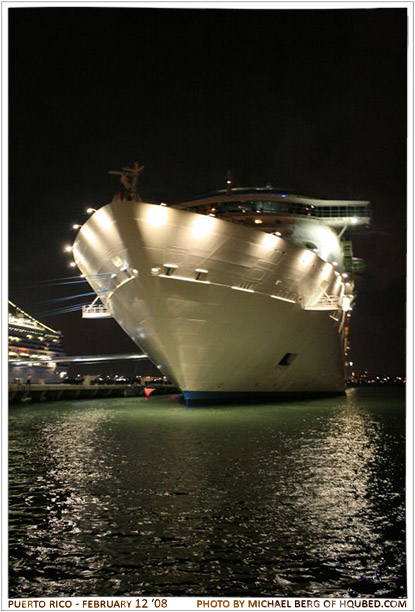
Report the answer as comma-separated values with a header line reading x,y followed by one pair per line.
x,y
127,497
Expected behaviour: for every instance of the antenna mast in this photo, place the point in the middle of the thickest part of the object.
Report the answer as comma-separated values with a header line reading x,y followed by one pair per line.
x,y
229,182
129,179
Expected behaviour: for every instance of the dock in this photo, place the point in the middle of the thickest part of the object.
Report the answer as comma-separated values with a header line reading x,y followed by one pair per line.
x,y
21,393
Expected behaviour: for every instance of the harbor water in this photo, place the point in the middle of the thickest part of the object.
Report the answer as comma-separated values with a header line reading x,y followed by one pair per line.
x,y
125,497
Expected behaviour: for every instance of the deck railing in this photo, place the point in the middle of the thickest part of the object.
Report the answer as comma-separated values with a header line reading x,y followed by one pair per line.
x,y
325,302
95,312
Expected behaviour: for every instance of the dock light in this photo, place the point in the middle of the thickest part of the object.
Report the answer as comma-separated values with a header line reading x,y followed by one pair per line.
x,y
335,264
68,248
90,210
348,284
163,204
76,226
354,220
345,275
277,233
229,182
72,264
258,221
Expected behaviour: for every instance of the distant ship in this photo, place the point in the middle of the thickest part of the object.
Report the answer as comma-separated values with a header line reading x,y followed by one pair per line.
x,y
33,348
238,295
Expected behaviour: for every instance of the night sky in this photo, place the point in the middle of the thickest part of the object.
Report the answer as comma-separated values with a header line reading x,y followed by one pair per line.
x,y
312,100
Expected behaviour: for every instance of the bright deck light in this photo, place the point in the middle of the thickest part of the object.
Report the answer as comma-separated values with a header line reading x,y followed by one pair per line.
x,y
307,257
72,264
354,220
157,215
258,221
76,226
90,210
346,303
203,226
269,241
326,271
68,248
104,220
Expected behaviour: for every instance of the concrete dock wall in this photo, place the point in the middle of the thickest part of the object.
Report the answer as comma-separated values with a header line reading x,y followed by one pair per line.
x,y
19,393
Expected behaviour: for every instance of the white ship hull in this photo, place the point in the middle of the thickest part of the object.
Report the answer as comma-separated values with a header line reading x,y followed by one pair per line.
x,y
223,310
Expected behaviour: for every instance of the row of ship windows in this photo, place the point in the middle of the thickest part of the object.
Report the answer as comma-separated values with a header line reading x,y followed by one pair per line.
x,y
285,207
34,332
30,337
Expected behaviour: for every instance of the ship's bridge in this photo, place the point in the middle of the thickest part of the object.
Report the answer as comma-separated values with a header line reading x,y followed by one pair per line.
x,y
267,207
308,222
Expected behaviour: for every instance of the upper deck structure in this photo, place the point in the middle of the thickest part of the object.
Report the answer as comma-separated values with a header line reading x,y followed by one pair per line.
x,y
268,206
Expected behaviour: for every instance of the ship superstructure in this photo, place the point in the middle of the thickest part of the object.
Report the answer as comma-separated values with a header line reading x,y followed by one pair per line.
x,y
243,293
33,346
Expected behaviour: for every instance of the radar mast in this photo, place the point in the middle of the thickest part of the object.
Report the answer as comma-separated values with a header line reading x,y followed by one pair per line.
x,y
129,179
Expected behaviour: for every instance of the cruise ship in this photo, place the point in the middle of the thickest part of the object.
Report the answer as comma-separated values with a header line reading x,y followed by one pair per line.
x,y
239,295
33,348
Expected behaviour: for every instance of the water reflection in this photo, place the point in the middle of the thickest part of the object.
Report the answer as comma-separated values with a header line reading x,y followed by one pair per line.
x,y
126,497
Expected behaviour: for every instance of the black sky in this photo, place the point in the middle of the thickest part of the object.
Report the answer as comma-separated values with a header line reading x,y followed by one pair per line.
x,y
314,100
